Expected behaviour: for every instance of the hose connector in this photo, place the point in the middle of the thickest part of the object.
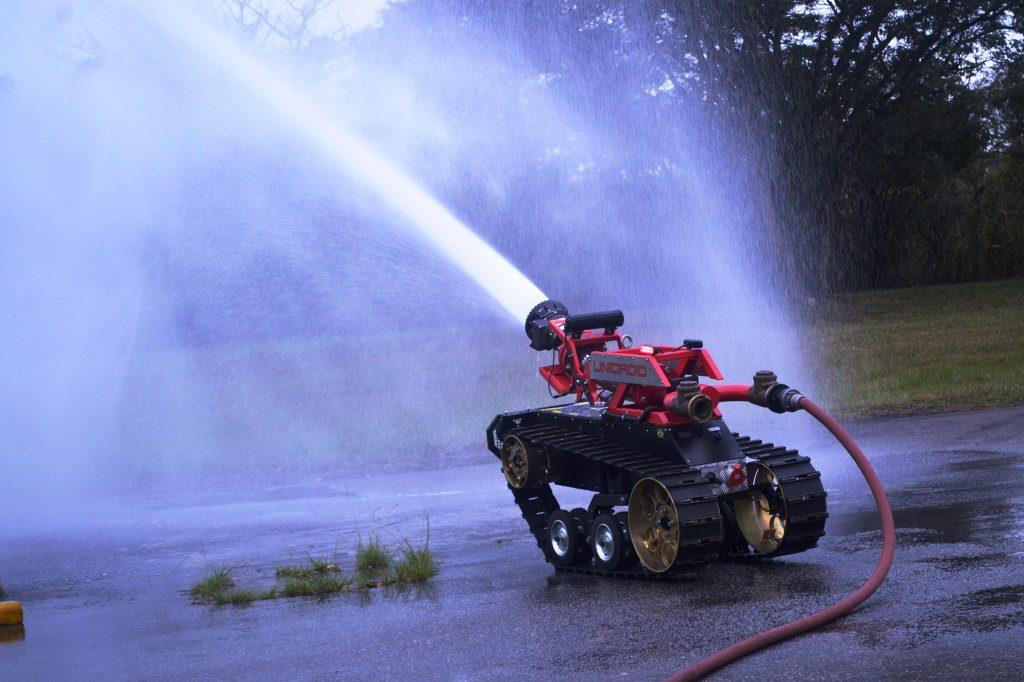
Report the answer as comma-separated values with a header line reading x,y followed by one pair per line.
x,y
782,398
766,391
689,402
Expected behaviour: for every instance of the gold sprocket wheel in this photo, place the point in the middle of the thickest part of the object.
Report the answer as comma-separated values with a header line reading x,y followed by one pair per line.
x,y
515,462
761,513
653,521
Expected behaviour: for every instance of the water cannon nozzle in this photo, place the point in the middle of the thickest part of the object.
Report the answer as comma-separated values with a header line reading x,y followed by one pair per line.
x,y
537,329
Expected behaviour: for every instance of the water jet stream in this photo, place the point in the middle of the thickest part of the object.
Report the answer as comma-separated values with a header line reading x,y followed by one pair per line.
x,y
509,287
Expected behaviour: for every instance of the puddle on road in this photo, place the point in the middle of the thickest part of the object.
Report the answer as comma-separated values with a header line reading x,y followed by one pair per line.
x,y
997,596
983,460
722,583
976,498
992,608
880,634
966,562
985,519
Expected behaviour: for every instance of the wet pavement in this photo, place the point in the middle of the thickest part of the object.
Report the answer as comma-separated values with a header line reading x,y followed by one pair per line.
x,y
103,588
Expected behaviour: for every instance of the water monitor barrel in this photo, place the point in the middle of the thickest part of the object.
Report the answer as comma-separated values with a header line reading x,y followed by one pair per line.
x,y
540,334
609,319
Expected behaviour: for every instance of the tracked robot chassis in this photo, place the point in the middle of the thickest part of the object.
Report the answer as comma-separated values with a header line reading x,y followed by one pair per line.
x,y
674,487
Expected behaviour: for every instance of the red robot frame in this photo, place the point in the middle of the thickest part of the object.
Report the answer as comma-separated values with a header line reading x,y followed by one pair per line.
x,y
642,380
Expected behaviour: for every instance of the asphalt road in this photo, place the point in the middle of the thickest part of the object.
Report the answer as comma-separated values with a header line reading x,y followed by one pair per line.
x,y
103,586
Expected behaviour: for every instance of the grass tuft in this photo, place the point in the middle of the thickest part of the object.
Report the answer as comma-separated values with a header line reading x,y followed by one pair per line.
x,y
316,567
318,577
219,588
374,562
315,585
239,597
416,566
213,588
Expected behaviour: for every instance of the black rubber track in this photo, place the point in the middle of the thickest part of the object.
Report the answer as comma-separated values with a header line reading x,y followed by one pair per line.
x,y
701,523
806,509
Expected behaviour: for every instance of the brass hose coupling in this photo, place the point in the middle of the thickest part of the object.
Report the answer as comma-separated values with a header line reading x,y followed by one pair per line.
x,y
766,391
691,403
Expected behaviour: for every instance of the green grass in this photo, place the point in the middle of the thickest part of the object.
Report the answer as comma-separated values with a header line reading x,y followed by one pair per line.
x,y
315,584
374,563
375,567
317,577
925,349
218,587
212,588
416,566
315,568
247,596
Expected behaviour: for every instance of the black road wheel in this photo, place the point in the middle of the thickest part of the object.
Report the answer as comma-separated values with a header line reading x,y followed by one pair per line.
x,y
583,519
610,543
584,523
629,558
566,538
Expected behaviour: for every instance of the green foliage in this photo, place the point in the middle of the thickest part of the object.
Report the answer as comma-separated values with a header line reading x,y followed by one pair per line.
x,y
897,149
891,134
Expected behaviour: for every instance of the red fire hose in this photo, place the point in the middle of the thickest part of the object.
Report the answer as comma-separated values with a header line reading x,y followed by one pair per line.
x,y
815,620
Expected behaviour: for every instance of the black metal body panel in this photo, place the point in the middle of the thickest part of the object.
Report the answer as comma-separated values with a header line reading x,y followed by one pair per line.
x,y
688,445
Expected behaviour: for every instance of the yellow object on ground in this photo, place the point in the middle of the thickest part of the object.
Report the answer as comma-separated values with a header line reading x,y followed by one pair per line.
x,y
10,613
11,633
